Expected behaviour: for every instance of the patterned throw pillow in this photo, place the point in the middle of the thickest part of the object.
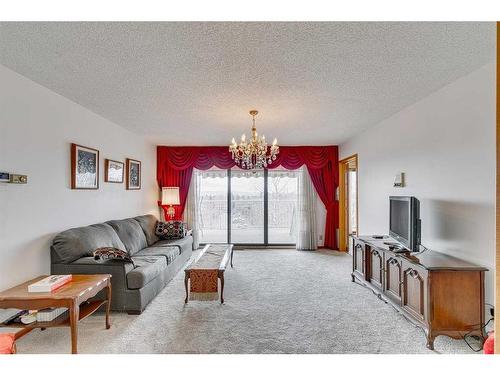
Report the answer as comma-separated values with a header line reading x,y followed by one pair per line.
x,y
112,253
170,230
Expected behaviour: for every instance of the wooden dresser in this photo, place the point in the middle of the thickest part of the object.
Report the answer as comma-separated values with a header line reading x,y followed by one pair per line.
x,y
442,294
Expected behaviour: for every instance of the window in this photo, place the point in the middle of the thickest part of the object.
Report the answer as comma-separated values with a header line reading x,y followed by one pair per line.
x,y
261,206
282,197
247,207
212,208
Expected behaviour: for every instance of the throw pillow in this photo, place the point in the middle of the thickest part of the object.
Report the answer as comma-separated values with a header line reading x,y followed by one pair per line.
x,y
112,253
170,230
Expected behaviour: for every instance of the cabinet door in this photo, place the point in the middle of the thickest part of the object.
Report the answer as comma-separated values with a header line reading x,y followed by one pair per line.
x,y
376,268
358,258
414,291
393,279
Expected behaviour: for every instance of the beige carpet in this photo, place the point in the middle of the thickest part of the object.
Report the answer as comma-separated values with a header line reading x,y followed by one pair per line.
x,y
277,301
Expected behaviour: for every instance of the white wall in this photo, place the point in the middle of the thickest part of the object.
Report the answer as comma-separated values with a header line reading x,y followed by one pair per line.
x,y
36,129
445,144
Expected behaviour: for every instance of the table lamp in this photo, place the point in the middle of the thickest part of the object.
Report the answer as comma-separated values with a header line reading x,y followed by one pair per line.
x,y
170,196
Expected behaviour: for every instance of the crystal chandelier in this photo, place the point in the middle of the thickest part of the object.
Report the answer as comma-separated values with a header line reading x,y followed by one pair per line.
x,y
253,154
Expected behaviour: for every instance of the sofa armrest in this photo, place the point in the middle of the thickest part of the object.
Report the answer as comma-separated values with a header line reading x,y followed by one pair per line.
x,y
89,266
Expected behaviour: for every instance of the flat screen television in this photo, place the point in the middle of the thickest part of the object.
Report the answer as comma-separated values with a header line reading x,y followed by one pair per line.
x,y
404,221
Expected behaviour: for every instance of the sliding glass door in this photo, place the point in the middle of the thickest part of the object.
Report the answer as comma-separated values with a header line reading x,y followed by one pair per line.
x,y
282,197
212,206
248,208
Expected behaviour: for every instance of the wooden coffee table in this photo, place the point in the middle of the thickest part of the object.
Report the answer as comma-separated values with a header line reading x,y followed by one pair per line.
x,y
74,296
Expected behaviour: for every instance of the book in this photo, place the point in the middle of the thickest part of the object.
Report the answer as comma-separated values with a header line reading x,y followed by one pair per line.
x,y
47,315
49,283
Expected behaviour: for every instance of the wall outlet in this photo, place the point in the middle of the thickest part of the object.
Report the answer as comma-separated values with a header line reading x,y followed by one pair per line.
x,y
492,312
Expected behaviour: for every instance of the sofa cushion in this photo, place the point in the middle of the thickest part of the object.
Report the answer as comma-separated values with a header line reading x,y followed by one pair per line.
x,y
169,252
183,244
75,243
148,225
131,234
147,268
170,230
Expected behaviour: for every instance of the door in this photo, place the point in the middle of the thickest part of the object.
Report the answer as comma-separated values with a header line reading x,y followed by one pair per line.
x,y
392,283
376,268
358,259
212,205
247,207
414,290
282,193
348,201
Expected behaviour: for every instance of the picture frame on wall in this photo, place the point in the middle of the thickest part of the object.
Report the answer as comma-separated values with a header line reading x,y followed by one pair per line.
x,y
113,171
84,167
133,168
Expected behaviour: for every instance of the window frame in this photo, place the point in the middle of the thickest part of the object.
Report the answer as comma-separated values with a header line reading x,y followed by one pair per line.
x,y
265,243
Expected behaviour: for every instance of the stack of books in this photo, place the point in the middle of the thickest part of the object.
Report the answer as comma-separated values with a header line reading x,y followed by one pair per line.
x,y
49,284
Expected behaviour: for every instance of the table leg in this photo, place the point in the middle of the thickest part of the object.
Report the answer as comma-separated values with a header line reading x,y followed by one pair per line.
x,y
108,304
231,258
74,314
221,275
186,281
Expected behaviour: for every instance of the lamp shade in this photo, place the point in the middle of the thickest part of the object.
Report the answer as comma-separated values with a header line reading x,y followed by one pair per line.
x,y
170,195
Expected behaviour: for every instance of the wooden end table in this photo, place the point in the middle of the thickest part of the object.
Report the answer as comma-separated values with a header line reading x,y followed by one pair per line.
x,y
73,295
221,267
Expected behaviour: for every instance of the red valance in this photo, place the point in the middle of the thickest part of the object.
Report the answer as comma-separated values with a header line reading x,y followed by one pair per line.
x,y
175,168
290,157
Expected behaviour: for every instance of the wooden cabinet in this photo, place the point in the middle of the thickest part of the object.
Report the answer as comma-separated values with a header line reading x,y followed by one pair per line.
x,y
393,278
442,294
414,291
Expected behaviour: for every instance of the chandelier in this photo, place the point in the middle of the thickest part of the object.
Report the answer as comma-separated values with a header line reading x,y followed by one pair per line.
x,y
253,154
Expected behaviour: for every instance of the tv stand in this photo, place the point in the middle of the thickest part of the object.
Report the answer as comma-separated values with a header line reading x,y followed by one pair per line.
x,y
442,294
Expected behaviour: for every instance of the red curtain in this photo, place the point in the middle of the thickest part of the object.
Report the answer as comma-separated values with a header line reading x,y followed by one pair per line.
x,y
175,168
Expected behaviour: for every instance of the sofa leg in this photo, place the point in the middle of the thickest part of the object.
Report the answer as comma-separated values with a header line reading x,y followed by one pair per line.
x,y
134,312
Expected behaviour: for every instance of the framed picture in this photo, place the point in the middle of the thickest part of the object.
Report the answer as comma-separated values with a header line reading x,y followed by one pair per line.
x,y
113,171
84,167
133,174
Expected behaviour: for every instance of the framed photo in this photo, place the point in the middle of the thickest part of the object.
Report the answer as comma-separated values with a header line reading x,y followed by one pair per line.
x,y
113,171
84,167
133,174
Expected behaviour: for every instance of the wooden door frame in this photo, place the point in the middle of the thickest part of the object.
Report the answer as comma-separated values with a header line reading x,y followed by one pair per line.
x,y
497,237
343,166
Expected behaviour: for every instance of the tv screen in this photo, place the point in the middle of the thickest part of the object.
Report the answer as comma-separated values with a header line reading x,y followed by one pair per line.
x,y
400,215
404,221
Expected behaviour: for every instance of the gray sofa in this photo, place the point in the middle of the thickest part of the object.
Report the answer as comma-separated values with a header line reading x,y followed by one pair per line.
x,y
156,261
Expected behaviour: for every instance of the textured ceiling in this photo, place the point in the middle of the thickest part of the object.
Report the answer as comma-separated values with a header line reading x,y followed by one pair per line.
x,y
193,83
